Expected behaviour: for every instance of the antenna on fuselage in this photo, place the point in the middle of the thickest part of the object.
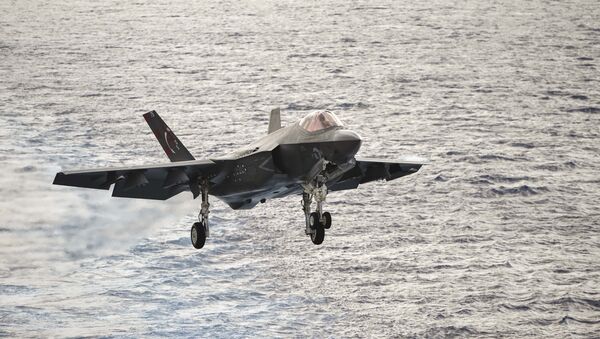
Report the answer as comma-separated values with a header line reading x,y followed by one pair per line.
x,y
274,120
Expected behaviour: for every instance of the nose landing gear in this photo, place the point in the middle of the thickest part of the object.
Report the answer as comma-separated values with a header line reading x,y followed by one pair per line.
x,y
200,231
316,222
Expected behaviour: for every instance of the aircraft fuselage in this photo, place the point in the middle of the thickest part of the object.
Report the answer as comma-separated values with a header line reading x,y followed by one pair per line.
x,y
278,164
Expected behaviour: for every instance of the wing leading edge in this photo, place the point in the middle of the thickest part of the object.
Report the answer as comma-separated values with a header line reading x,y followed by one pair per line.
x,y
371,169
158,182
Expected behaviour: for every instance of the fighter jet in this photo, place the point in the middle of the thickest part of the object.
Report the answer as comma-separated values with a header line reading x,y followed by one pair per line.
x,y
311,157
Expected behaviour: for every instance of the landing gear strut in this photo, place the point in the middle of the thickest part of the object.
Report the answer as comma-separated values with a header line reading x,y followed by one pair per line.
x,y
316,222
200,231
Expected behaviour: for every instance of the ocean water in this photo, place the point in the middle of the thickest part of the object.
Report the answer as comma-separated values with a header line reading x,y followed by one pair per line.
x,y
498,236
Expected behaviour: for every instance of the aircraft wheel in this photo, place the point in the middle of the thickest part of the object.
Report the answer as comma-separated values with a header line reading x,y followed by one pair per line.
x,y
318,235
314,220
198,235
327,220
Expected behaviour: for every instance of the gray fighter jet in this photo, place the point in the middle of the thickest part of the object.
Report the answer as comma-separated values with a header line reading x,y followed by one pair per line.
x,y
312,157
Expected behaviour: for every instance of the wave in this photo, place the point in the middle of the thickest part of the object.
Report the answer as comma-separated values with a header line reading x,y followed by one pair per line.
x,y
575,301
523,190
348,105
588,109
487,158
566,319
451,331
554,167
304,107
490,178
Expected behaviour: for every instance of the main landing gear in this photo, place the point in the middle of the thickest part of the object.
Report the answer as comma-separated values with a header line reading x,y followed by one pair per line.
x,y
318,221
199,231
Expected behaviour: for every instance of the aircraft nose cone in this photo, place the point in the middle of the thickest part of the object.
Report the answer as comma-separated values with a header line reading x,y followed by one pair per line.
x,y
347,143
347,135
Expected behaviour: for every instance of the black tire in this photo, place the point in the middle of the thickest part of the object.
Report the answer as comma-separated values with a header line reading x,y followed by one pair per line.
x,y
198,235
327,220
313,220
318,235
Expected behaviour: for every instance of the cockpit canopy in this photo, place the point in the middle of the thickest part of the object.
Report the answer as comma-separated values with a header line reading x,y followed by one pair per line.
x,y
317,121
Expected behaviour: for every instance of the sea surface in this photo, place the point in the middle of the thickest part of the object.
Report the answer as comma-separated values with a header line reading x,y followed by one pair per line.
x,y
497,236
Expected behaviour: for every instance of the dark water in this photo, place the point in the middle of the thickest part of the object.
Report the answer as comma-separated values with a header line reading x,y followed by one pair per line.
x,y
496,237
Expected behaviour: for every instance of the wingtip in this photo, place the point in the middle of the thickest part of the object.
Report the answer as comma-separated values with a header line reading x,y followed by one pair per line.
x,y
57,178
417,160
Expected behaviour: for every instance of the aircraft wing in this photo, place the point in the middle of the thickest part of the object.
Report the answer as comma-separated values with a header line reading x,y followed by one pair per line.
x,y
158,182
371,169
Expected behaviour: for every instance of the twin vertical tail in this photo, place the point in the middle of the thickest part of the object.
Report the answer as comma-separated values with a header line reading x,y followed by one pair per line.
x,y
174,148
274,120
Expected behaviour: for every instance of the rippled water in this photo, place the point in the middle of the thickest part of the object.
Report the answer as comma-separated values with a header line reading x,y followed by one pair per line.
x,y
497,236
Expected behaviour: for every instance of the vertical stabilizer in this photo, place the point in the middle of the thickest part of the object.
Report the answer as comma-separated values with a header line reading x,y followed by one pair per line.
x,y
275,120
167,139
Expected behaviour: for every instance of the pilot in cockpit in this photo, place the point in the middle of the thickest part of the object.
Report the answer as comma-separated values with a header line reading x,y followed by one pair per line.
x,y
324,122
